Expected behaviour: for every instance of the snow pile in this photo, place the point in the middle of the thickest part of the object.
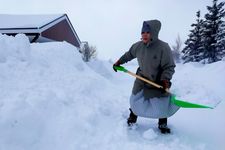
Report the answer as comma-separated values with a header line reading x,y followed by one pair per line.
x,y
102,68
51,99
18,48
150,134
199,83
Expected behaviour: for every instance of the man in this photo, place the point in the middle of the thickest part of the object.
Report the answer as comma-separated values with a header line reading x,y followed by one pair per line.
x,y
156,64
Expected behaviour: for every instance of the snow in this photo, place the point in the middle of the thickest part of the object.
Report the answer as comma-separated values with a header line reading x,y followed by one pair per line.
x,y
199,83
26,21
51,99
150,134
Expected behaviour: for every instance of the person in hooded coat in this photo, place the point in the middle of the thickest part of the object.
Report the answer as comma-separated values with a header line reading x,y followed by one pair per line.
x,y
156,63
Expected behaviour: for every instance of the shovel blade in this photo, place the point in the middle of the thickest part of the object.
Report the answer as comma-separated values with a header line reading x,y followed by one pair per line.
x,y
120,68
185,104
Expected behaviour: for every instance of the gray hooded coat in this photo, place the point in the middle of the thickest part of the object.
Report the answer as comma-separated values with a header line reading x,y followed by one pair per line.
x,y
155,62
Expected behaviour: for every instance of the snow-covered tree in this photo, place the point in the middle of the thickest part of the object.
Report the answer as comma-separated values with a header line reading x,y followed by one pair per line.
x,y
88,52
213,35
176,49
221,40
193,50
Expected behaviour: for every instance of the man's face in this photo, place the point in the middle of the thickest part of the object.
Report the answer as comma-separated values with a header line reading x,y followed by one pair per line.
x,y
145,37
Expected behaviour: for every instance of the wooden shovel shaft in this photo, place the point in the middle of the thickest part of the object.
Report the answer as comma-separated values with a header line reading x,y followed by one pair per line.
x,y
148,81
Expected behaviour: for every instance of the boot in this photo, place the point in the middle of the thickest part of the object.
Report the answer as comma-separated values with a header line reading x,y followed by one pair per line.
x,y
132,118
162,125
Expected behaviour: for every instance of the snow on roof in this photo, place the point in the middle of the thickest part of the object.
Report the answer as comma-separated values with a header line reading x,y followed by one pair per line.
x,y
41,28
26,21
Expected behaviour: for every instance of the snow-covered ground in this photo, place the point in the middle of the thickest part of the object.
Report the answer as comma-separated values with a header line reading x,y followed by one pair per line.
x,y
51,99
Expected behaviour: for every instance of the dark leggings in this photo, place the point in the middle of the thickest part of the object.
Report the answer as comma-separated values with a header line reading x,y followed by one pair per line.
x,y
162,121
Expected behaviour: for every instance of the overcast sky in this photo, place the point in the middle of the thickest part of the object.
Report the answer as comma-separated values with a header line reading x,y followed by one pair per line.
x,y
114,25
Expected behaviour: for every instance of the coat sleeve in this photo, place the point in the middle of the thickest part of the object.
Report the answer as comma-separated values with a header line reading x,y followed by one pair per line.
x,y
167,64
129,55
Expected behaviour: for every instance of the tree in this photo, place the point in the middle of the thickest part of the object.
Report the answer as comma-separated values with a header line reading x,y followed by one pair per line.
x,y
213,35
93,52
193,50
88,52
176,49
221,40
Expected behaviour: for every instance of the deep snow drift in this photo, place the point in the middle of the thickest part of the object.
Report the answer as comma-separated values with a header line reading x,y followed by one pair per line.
x,y
51,99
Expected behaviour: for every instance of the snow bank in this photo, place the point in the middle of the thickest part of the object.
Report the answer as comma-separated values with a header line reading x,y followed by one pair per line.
x,y
51,99
200,83
17,47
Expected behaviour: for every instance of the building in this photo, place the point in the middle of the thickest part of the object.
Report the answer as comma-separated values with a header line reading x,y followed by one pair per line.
x,y
40,28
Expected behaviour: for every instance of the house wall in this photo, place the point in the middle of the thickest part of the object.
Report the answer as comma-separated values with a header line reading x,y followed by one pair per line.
x,y
61,32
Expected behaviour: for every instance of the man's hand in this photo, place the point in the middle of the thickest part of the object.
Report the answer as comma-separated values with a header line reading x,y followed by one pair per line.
x,y
117,64
166,84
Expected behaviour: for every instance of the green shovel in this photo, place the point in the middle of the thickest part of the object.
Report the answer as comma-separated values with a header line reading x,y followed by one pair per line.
x,y
175,101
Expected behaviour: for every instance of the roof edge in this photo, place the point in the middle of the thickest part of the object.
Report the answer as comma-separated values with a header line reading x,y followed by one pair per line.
x,y
72,27
18,28
52,21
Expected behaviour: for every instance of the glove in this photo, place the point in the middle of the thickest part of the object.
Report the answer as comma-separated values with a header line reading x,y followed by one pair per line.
x,y
166,84
117,64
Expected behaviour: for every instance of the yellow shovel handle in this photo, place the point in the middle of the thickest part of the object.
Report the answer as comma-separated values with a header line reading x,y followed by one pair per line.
x,y
148,81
